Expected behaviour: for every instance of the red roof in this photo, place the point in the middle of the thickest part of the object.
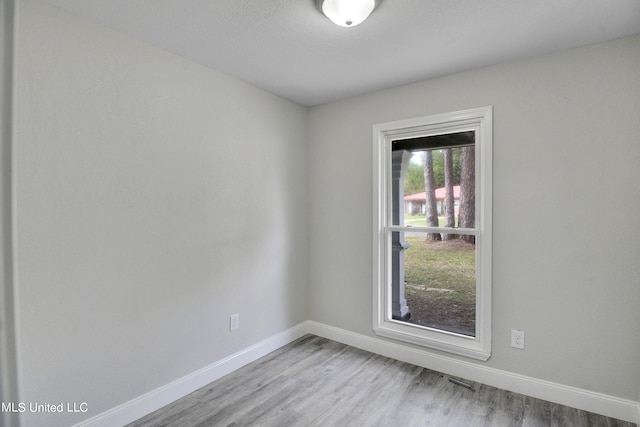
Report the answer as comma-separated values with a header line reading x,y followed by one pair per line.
x,y
439,194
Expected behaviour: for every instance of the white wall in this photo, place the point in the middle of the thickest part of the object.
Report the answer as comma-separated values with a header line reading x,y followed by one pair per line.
x,y
566,170
154,198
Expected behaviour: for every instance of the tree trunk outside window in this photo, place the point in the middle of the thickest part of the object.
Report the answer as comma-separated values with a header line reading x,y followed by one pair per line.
x,y
448,205
430,190
466,218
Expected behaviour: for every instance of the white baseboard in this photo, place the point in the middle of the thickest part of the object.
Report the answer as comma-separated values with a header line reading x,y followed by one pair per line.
x,y
622,409
609,406
156,399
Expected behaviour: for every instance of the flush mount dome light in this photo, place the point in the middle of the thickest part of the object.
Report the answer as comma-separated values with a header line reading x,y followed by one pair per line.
x,y
347,13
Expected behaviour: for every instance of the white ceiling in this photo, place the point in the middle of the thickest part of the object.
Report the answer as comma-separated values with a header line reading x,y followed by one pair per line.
x,y
287,47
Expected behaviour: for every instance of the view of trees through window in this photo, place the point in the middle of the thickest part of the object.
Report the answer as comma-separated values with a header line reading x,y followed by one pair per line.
x,y
440,268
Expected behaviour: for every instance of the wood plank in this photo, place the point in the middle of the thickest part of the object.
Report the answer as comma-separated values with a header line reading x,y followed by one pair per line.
x,y
318,382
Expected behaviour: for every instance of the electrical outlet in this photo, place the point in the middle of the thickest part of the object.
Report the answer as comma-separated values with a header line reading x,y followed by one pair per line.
x,y
234,322
517,339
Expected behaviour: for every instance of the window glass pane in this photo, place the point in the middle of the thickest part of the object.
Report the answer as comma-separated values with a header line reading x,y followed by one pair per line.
x,y
438,188
440,283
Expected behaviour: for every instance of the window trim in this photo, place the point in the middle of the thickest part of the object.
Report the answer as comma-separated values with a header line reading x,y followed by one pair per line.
x,y
479,120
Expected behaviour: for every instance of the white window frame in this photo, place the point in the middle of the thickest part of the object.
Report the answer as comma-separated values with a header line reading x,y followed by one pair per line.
x,y
480,121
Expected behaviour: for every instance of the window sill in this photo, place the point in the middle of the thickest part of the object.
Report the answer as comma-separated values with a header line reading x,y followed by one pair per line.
x,y
461,345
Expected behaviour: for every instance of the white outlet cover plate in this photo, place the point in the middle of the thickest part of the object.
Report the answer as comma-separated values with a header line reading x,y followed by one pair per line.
x,y
234,322
517,339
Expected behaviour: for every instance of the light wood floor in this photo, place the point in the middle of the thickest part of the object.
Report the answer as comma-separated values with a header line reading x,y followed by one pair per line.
x,y
317,382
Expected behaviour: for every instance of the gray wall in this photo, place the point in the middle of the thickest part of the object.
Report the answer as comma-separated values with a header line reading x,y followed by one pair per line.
x,y
8,375
566,256
154,198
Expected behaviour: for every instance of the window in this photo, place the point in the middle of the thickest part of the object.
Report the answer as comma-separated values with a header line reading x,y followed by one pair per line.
x,y
432,255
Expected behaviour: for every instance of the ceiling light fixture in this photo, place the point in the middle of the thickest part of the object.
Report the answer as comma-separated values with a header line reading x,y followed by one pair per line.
x,y
347,13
